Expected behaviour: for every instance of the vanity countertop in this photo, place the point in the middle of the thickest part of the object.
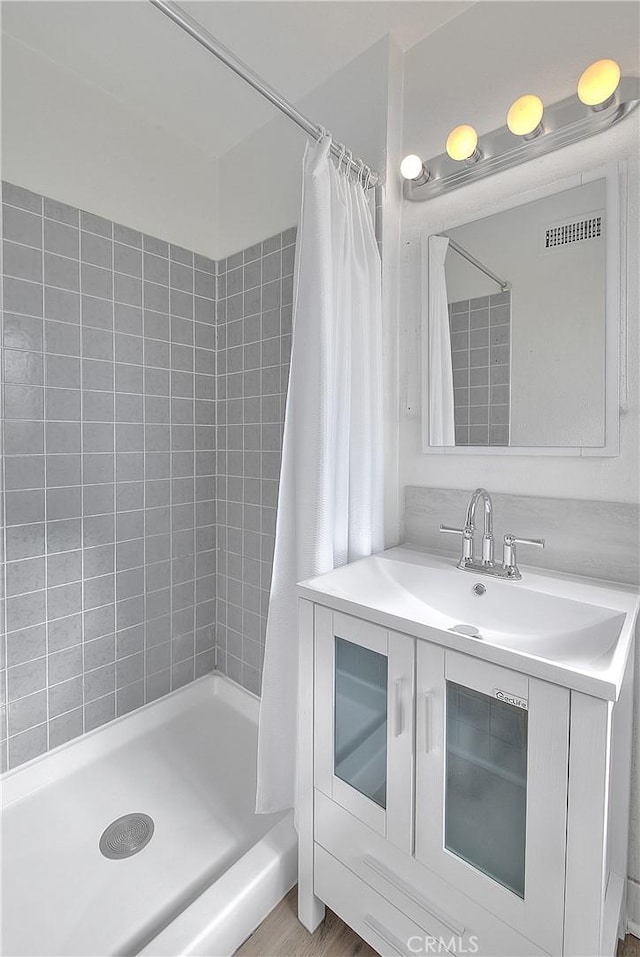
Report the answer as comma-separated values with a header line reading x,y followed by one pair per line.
x,y
573,631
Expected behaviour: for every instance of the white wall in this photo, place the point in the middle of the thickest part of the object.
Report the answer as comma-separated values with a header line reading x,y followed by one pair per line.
x,y
68,140
261,177
464,73
391,234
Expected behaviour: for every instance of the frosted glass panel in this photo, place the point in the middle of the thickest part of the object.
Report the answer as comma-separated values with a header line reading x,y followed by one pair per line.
x,y
360,745
486,796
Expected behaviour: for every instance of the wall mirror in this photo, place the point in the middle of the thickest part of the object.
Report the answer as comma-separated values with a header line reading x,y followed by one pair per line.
x,y
521,320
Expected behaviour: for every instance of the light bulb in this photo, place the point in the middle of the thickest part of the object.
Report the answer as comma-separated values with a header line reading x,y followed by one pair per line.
x,y
414,169
462,143
598,83
525,115
411,166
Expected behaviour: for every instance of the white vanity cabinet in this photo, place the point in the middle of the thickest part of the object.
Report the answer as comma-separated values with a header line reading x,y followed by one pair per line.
x,y
363,751
449,804
491,787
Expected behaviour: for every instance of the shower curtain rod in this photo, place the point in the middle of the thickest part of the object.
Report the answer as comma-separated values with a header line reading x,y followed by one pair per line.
x,y
223,53
503,283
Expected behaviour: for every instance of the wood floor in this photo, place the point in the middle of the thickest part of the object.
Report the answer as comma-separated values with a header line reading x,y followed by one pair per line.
x,y
629,947
281,935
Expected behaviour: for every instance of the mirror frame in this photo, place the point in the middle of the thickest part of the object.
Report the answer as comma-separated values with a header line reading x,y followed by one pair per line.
x,y
615,175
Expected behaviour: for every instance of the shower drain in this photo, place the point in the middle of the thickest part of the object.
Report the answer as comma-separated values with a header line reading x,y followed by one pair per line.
x,y
126,836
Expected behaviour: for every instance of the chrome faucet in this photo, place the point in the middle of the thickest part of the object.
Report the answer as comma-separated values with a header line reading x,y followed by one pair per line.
x,y
487,535
486,565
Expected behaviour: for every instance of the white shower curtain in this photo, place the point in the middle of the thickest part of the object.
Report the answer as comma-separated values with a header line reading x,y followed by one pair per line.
x,y
330,503
440,371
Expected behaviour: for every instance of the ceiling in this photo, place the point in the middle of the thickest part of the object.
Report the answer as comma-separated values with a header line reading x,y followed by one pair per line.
x,y
135,54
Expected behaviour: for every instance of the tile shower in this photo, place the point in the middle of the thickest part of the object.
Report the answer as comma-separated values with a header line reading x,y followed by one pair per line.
x,y
480,343
255,289
110,382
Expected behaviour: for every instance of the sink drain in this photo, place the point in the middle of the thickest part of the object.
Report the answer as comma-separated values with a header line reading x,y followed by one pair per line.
x,y
126,836
470,630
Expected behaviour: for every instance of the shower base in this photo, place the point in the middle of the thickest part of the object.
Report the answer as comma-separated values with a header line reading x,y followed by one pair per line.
x,y
210,871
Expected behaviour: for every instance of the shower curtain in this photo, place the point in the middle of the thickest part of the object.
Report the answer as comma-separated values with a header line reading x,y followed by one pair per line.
x,y
330,503
440,372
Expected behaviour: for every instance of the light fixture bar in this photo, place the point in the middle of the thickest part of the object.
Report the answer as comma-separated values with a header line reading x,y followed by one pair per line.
x,y
565,122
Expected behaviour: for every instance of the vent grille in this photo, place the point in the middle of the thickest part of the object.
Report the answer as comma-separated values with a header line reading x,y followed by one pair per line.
x,y
576,231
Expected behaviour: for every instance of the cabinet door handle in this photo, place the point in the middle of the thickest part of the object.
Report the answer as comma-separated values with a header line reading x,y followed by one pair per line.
x,y
426,704
390,939
401,885
398,709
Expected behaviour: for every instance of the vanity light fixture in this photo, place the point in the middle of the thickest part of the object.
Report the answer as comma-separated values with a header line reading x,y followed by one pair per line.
x,y
462,144
598,84
525,116
414,169
603,99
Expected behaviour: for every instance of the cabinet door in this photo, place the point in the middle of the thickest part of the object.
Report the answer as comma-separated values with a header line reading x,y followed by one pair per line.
x,y
363,722
491,788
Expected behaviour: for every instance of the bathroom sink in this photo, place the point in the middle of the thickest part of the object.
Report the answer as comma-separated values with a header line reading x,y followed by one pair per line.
x,y
579,627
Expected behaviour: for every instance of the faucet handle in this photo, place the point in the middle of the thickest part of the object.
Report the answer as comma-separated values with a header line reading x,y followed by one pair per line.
x,y
467,539
509,549
512,540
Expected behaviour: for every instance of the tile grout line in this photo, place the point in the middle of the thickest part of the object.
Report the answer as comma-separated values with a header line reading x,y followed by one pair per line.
x,y
82,464
114,492
5,599
170,532
195,462
46,477
144,493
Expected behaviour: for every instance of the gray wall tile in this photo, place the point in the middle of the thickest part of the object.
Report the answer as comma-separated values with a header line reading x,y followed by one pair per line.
x,y
96,224
105,374
22,297
480,331
65,728
25,679
61,272
23,262
61,212
98,712
22,332
124,234
65,696
156,410
253,339
26,645
23,198
62,239
23,747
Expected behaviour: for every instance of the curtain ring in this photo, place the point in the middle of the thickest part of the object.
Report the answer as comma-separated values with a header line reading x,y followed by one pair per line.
x,y
343,150
361,172
322,133
349,162
368,178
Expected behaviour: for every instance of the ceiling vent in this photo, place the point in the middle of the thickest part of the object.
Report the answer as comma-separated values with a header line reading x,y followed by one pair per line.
x,y
573,231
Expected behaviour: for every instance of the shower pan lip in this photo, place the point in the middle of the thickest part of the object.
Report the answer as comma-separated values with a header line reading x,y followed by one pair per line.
x,y
213,869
